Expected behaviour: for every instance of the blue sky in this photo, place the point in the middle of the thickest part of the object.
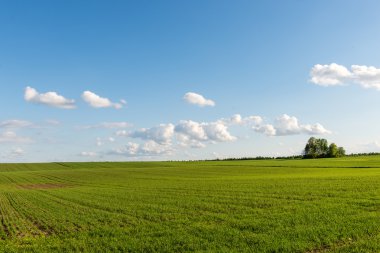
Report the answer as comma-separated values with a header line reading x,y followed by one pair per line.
x,y
287,68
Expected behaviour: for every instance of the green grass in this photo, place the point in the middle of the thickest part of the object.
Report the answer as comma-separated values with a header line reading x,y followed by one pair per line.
x,y
326,205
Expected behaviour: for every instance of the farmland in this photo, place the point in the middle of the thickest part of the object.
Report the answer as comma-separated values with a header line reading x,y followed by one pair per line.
x,y
323,205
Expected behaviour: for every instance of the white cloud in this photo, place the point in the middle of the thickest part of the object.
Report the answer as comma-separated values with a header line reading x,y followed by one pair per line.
x,y
193,133
334,74
130,149
316,129
149,148
49,98
15,123
186,141
267,129
366,76
237,119
12,137
161,134
96,101
329,75
197,99
153,148
253,120
186,133
217,131
191,129
289,125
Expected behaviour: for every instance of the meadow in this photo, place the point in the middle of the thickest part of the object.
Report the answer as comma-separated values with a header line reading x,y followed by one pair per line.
x,y
322,205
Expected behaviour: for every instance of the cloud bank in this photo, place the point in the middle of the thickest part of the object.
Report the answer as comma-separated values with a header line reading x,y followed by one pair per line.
x,y
191,134
289,125
334,74
149,148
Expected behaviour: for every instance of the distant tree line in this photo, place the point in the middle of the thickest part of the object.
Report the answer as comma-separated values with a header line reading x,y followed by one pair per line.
x,y
364,154
319,148
259,158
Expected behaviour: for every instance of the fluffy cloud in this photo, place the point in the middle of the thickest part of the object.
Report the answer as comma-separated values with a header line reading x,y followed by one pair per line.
x,y
12,137
49,98
194,131
165,138
186,133
366,76
161,134
266,129
237,119
289,125
217,131
197,99
191,129
149,148
187,141
328,75
334,74
15,123
96,101
316,129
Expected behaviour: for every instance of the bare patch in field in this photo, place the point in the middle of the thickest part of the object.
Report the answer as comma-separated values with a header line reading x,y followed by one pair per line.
x,y
42,186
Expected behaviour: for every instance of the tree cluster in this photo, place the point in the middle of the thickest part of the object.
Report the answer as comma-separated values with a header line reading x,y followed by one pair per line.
x,y
319,148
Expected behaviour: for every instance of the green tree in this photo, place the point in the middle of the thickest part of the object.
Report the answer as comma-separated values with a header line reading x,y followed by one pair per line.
x,y
341,152
322,148
310,148
333,150
319,148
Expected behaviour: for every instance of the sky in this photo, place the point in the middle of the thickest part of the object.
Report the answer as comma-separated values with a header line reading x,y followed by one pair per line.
x,y
186,80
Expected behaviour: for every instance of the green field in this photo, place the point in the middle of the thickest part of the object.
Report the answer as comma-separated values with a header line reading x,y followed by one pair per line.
x,y
324,205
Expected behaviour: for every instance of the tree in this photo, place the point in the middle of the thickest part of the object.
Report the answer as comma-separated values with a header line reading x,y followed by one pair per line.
x,y
310,148
333,150
316,148
322,148
341,152
319,148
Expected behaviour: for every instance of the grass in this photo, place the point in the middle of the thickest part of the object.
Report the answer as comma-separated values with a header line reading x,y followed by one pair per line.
x,y
325,205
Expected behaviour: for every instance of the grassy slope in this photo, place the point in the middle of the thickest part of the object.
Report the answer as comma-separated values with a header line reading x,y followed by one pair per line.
x,y
240,206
